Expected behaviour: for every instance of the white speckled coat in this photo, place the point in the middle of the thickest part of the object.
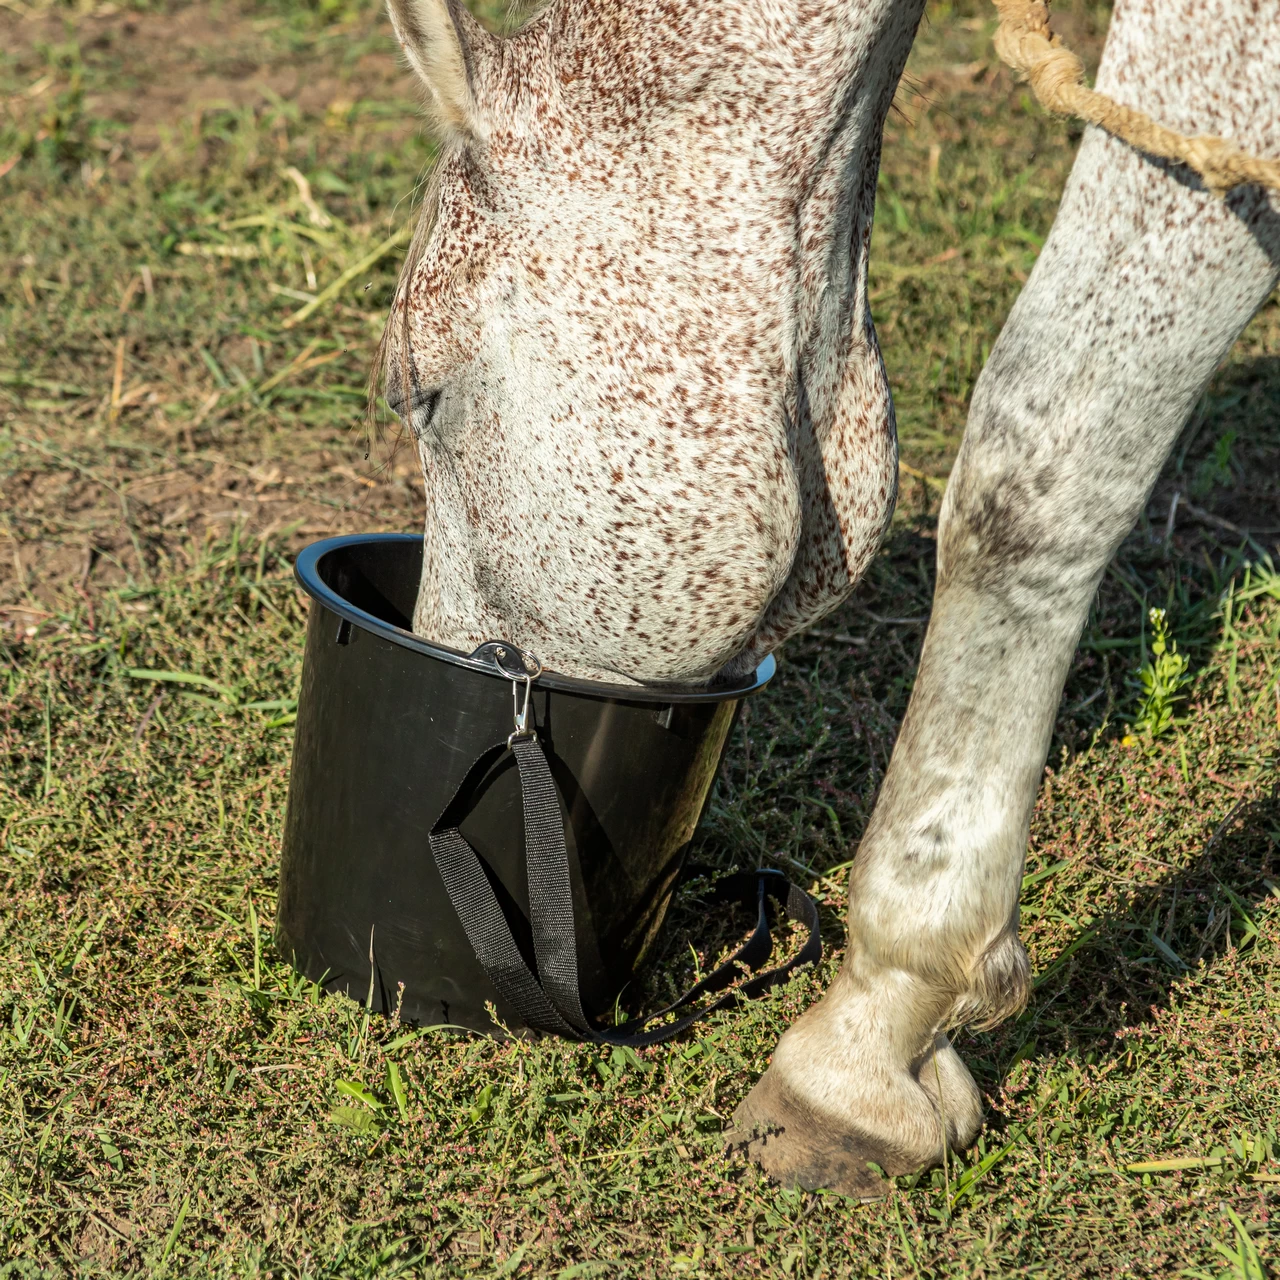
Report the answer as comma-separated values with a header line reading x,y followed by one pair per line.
x,y
633,342
663,439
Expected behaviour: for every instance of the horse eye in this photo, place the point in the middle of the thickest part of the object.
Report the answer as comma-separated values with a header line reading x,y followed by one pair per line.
x,y
422,409
416,409
393,394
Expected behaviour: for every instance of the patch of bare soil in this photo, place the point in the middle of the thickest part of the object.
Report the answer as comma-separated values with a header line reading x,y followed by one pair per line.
x,y
86,528
121,476
164,67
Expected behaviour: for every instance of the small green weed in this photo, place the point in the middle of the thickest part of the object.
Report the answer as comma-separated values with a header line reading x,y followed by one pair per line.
x,y
1243,1260
1162,679
1218,468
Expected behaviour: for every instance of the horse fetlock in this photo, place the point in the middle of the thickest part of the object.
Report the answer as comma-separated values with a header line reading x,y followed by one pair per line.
x,y
999,984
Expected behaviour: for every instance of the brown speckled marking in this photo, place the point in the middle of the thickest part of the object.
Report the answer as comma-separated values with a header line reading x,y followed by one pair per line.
x,y
658,439
663,440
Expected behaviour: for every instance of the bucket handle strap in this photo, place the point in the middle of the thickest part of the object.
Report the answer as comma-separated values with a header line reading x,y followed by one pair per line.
x,y
551,1000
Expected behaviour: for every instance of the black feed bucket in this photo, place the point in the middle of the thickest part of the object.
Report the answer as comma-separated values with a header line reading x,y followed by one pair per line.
x,y
436,843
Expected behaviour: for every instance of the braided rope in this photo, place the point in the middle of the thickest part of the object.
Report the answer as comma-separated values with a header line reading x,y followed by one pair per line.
x,y
1026,44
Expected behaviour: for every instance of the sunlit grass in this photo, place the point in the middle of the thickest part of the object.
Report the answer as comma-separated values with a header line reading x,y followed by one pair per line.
x,y
174,1100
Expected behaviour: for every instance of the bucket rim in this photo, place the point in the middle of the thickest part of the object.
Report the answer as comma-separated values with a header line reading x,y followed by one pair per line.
x,y
306,571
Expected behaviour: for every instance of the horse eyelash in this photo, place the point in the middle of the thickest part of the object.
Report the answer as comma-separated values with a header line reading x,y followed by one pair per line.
x,y
423,414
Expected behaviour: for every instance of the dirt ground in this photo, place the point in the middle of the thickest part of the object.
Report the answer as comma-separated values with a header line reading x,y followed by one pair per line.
x,y
124,446
138,331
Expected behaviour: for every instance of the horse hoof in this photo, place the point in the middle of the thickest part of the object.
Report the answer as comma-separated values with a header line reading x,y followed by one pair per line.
x,y
798,1146
894,1123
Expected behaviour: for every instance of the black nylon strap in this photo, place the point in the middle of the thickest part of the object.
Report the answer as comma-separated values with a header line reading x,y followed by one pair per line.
x,y
550,898
554,1003
481,915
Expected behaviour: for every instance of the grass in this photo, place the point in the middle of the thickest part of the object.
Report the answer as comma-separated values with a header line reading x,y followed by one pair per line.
x,y
174,1100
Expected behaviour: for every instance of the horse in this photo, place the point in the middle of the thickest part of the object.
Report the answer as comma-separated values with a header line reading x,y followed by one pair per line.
x,y
632,341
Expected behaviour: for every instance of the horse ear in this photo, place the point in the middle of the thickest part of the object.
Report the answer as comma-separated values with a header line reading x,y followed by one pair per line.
x,y
439,38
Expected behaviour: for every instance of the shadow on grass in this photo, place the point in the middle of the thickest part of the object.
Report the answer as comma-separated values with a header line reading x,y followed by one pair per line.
x,y
830,721
1123,968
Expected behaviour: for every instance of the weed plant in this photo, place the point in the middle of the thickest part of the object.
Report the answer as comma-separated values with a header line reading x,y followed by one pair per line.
x,y
1161,680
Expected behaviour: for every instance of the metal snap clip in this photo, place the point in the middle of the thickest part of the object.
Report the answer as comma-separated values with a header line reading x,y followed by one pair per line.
x,y
505,658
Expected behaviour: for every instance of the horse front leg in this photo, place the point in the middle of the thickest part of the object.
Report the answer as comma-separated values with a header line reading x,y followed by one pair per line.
x,y
1145,282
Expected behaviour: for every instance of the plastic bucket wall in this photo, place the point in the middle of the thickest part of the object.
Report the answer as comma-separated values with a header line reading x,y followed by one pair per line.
x,y
388,725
